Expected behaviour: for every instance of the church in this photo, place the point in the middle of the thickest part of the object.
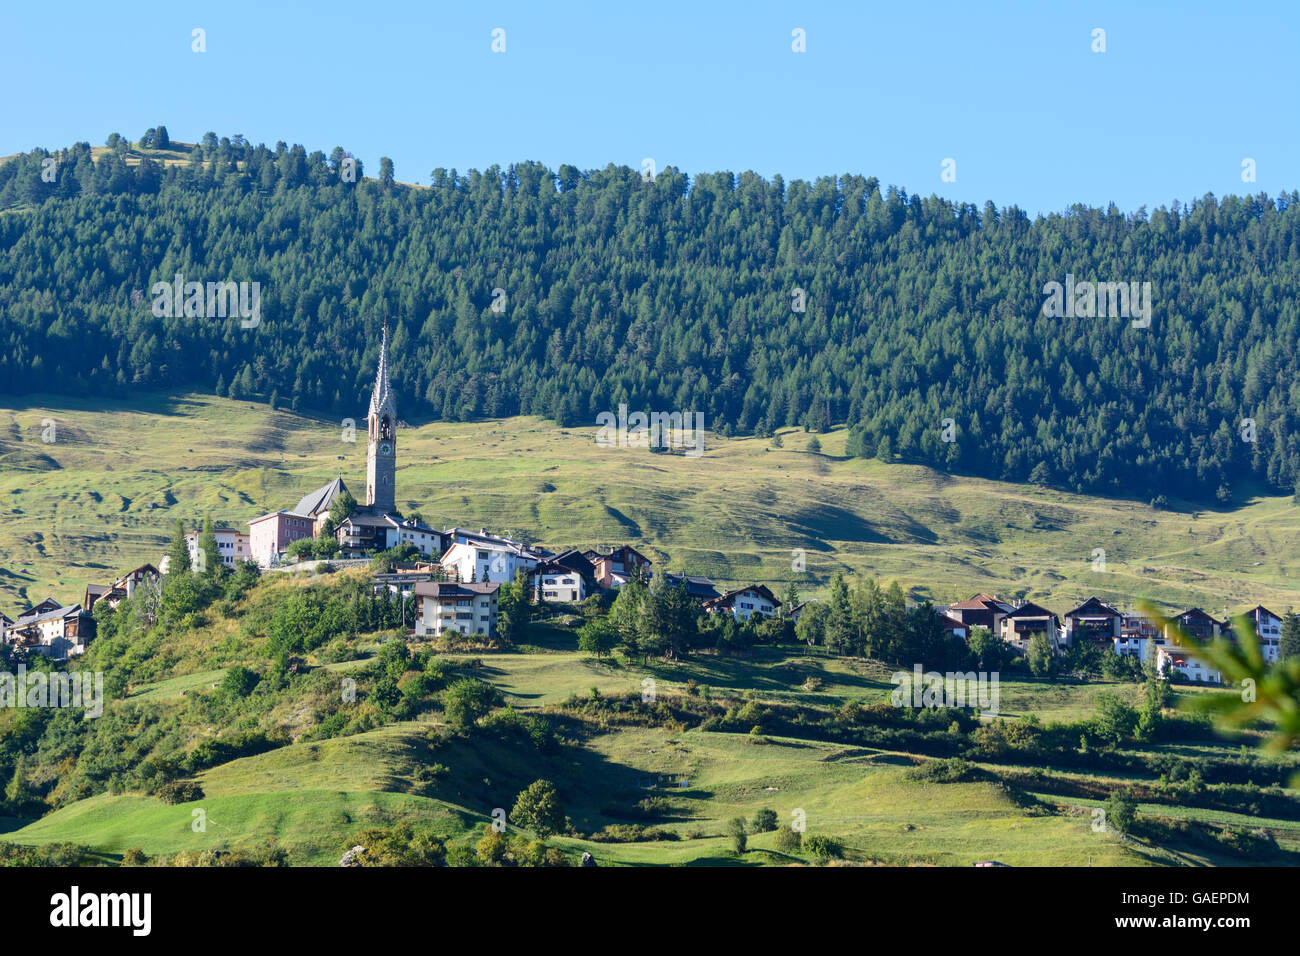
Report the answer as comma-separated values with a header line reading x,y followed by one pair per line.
x,y
376,525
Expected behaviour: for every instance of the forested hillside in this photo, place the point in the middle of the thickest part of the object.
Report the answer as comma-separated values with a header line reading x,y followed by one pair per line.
x,y
672,294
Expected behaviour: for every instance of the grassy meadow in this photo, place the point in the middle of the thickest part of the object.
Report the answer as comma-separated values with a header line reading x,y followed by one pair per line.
x,y
104,495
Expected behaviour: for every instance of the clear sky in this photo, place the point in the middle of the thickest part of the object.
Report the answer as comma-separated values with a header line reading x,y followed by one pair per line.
x,y
1012,92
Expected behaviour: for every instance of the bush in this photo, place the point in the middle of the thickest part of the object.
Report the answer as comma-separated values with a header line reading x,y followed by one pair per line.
x,y
239,682
824,848
179,791
466,701
765,821
538,808
739,834
951,770
1121,811
788,840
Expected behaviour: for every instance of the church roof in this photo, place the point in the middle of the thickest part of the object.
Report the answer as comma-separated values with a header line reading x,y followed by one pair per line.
x,y
320,500
381,400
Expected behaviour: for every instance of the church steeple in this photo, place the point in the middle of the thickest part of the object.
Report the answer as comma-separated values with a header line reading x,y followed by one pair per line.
x,y
381,457
381,400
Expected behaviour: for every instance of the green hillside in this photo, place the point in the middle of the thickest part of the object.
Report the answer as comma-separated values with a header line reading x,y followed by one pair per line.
x,y
103,497
759,303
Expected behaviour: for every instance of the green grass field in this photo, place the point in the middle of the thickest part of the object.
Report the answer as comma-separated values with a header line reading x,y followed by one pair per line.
x,y
103,496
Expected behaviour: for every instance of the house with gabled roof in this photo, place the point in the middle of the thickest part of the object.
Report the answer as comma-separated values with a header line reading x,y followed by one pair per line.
x,y
953,626
316,504
744,603
617,566
1026,621
1268,628
463,607
1093,620
565,577
1196,624
58,632
486,557
982,610
697,587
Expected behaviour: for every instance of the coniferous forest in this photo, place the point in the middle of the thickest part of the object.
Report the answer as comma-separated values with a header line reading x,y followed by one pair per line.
x,y
673,294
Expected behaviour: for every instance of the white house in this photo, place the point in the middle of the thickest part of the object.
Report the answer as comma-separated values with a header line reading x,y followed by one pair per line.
x,y
1268,627
232,547
744,603
484,557
1174,659
555,582
59,632
430,542
452,606
1139,636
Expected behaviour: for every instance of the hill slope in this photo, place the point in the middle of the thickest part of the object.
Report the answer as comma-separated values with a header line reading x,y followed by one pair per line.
x,y
757,303
105,494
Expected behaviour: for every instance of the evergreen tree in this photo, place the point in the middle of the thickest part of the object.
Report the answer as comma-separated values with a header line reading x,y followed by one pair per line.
x,y
178,552
1289,645
210,564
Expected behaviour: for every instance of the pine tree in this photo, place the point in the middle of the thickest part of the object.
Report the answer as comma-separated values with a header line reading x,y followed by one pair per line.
x,y
178,552
1289,645
210,565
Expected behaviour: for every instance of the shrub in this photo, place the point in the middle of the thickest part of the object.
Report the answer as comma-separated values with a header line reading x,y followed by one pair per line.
x,y
788,840
951,770
538,808
1121,811
824,848
179,791
765,820
739,834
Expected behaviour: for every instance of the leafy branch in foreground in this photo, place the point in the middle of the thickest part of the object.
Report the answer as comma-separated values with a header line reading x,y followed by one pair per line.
x,y
1269,693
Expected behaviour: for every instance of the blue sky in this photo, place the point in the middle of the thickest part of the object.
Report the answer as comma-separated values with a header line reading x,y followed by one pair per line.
x,y
1012,92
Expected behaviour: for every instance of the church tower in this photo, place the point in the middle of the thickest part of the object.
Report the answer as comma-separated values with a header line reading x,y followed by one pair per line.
x,y
381,458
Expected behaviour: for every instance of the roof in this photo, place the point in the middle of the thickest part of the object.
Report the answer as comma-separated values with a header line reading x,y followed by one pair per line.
x,y
368,521
948,622
622,547
730,596
410,524
490,541
696,586
72,610
1094,605
980,601
320,500
1195,612
1030,609
281,514
454,588
48,604
149,568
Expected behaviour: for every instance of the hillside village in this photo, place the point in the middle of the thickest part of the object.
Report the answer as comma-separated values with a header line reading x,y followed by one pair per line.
x,y
455,576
